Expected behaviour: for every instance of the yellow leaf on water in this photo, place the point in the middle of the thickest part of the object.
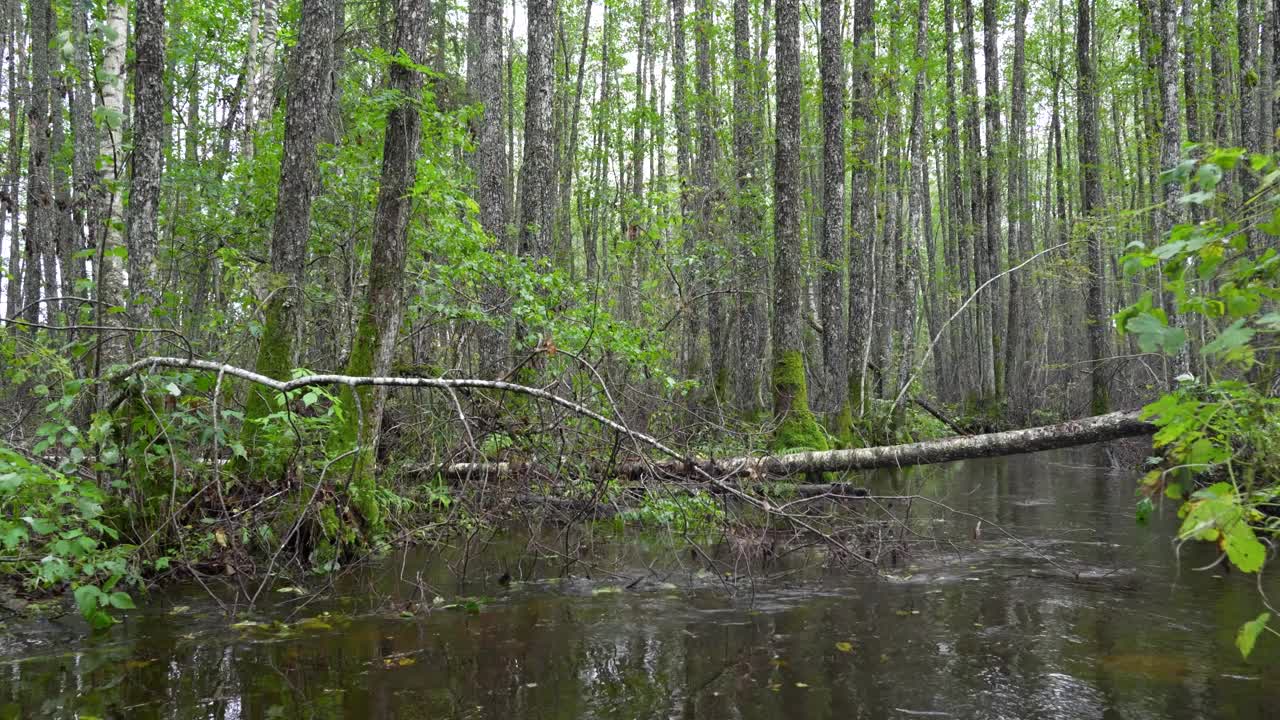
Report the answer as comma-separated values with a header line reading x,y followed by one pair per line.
x,y
802,685
844,646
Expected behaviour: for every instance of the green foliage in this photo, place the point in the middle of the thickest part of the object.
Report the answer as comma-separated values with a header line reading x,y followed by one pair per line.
x,y
1222,428
53,533
692,513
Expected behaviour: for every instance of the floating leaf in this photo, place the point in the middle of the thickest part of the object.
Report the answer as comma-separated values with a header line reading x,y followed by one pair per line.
x,y
844,646
1249,632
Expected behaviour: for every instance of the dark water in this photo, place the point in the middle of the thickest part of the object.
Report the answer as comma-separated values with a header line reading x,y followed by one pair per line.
x,y
1090,616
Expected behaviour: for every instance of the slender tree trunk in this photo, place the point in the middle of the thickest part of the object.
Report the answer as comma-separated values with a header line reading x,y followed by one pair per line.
x,y
67,236
704,172
569,168
110,261
380,316
692,360
1015,339
308,85
1090,204
747,215
833,263
985,386
958,224
994,158
40,207
17,132
484,80
796,426
536,172
84,174
1247,29
1267,78
145,163
914,237
862,215
1218,18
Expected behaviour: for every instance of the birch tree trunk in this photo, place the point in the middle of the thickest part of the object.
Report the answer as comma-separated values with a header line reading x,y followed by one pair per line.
x,y
110,260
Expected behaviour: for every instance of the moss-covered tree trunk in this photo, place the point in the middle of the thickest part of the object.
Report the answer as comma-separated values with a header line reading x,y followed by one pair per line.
x,y
796,426
308,84
383,305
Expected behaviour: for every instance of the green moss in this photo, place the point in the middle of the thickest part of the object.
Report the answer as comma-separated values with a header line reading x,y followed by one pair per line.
x,y
797,428
275,352
358,429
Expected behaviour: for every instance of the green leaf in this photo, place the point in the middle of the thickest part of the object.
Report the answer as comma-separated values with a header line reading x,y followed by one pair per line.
x,y
1248,634
121,600
173,389
87,598
1232,338
1154,335
40,525
1243,548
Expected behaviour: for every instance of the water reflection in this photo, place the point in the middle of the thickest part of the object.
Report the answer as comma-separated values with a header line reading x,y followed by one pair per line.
x,y
1087,616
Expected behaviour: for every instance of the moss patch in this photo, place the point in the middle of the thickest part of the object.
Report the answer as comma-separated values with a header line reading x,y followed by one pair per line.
x,y
797,428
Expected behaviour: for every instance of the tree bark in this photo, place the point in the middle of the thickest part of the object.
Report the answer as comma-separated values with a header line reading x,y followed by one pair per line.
x,y
747,216
1112,426
994,165
1097,318
380,315
831,288
40,207
308,85
908,276
484,81
145,163
985,386
707,200
795,423
536,171
11,206
1019,242
862,215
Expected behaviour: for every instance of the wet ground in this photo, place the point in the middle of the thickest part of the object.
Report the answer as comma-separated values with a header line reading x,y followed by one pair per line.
x,y
1085,615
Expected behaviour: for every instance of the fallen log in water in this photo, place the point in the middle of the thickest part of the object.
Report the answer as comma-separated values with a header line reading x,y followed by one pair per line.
x,y
1085,431
1099,428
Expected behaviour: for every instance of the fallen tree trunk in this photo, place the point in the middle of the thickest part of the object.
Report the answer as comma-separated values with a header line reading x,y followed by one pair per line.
x,y
1085,431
